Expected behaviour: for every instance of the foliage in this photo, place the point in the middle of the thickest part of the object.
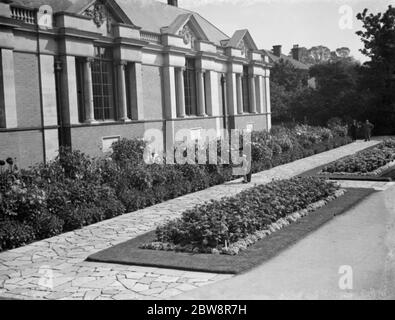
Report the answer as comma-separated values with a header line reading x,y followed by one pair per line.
x,y
75,190
14,234
129,151
365,161
49,199
378,74
216,224
322,54
344,88
286,75
286,82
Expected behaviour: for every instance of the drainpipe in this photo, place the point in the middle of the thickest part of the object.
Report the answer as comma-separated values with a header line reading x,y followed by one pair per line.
x,y
58,73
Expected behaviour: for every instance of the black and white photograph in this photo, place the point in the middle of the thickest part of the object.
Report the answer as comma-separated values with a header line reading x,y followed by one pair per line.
x,y
202,153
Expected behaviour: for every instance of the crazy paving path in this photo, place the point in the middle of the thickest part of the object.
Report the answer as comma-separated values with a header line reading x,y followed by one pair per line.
x,y
56,268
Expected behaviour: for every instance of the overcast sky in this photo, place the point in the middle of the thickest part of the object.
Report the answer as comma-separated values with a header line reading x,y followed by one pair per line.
x,y
288,22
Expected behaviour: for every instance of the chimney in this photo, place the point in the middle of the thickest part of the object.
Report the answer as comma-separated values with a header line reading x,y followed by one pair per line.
x,y
277,50
296,52
173,3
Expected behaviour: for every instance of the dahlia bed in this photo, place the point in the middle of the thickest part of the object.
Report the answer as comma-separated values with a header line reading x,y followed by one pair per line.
x,y
232,224
371,162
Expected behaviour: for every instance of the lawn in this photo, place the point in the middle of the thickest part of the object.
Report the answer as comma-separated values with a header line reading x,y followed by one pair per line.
x,y
130,253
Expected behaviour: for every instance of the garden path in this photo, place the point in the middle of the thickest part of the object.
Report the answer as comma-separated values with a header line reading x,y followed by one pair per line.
x,y
350,257
56,268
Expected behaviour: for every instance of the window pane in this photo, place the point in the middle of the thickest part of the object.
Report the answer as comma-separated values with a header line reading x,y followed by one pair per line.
x,y
102,78
190,87
80,88
246,90
2,105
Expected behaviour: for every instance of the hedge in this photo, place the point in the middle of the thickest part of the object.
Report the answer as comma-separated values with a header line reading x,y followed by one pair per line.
x,y
75,190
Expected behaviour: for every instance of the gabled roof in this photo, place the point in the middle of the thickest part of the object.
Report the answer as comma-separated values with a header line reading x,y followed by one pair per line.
x,y
297,64
177,24
237,37
150,15
181,21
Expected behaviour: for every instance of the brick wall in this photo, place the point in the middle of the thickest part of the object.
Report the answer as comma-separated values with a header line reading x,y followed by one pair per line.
x,y
27,90
89,139
207,124
259,121
152,93
25,146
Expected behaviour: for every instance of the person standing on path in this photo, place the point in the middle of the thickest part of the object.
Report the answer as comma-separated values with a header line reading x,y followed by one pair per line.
x,y
247,163
367,130
353,130
248,170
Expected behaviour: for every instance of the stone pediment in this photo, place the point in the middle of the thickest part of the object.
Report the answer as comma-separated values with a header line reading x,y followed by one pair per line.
x,y
188,28
103,15
242,40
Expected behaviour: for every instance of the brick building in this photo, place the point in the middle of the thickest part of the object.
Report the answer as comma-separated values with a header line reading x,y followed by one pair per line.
x,y
276,54
84,73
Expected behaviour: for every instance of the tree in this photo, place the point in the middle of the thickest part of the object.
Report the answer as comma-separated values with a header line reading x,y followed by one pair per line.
x,y
343,52
336,94
285,74
378,74
322,54
286,80
337,90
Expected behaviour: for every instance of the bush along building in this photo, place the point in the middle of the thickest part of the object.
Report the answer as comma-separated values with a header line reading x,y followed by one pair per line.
x,y
84,74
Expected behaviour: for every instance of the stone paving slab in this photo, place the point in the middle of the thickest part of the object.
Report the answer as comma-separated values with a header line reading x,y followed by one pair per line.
x,y
376,185
55,268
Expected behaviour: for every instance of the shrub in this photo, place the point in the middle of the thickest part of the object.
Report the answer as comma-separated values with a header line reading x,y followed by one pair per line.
x,y
129,151
22,201
261,153
77,217
75,190
47,225
337,127
14,234
196,175
108,202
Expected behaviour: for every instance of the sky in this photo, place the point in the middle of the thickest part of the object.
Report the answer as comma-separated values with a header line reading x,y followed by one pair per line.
x,y
308,23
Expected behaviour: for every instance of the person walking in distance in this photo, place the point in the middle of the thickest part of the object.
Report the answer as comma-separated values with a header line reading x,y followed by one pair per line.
x,y
367,130
353,130
247,163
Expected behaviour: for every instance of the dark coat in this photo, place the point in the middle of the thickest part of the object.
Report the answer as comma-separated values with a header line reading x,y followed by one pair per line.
x,y
353,130
367,128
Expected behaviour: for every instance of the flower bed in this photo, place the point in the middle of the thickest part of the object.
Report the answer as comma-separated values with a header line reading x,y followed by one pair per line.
x,y
75,190
371,162
232,224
